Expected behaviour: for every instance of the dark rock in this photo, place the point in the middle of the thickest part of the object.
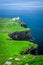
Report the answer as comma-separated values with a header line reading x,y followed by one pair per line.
x,y
32,50
23,24
23,35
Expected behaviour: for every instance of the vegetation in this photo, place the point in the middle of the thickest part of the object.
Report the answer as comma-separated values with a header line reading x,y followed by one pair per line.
x,y
10,49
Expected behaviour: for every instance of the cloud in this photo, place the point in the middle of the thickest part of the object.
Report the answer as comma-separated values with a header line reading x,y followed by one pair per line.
x,y
26,5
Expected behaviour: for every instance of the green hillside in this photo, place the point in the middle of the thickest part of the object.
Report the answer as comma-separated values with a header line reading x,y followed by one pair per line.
x,y
8,25
12,48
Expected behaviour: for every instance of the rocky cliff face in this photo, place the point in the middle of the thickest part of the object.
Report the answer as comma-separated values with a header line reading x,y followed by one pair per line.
x,y
32,50
23,25
22,35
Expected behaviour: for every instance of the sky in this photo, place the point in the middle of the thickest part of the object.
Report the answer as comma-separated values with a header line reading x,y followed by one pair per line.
x,y
20,4
16,1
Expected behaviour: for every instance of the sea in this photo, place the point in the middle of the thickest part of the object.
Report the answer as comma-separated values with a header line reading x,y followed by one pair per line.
x,y
33,17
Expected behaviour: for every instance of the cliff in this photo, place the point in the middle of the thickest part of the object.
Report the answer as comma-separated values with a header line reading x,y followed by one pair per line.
x,y
22,35
19,43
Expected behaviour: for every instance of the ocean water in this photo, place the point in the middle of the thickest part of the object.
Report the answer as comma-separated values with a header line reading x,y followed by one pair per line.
x,y
34,20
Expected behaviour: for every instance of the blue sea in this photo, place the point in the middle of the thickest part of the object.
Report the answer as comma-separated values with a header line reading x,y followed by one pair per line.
x,y
34,20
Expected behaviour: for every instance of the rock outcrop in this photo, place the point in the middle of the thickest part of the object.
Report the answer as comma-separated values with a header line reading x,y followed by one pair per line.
x,y
32,50
22,35
23,25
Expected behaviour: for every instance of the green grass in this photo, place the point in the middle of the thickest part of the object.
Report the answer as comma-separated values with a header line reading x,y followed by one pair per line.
x,y
12,48
8,25
29,59
9,48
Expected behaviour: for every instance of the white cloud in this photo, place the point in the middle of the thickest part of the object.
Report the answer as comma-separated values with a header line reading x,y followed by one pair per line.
x,y
22,5
33,3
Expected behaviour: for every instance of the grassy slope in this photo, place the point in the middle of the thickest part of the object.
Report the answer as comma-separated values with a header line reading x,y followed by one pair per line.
x,y
9,26
12,48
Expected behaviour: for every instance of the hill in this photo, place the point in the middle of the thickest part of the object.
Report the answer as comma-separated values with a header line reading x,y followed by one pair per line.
x,y
10,49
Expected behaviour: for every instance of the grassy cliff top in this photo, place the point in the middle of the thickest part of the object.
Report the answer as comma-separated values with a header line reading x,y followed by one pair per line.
x,y
8,25
12,48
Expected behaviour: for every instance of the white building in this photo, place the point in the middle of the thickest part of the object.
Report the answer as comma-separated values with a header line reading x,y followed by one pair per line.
x,y
16,18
